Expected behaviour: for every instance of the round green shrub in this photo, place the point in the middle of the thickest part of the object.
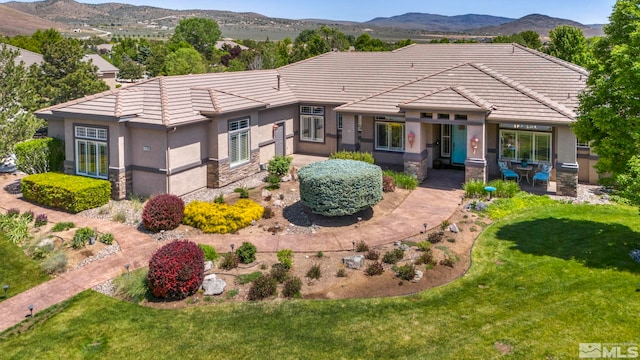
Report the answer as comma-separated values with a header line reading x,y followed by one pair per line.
x,y
340,187
263,287
176,270
163,212
246,253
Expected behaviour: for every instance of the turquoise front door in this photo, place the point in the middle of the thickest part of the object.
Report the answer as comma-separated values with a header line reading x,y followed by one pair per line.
x,y
459,144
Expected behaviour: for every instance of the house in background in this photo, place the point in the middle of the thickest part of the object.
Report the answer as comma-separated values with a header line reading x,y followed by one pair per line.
x,y
106,71
463,104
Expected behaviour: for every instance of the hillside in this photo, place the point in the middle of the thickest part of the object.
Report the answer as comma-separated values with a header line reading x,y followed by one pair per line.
x,y
541,24
439,23
15,22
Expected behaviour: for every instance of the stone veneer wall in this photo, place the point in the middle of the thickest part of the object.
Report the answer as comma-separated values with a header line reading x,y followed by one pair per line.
x,y
475,169
121,183
567,180
220,173
417,168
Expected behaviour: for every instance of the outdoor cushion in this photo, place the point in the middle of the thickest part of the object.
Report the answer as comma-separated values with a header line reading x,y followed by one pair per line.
x,y
506,172
543,174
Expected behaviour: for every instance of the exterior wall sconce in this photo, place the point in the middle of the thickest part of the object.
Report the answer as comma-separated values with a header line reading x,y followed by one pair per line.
x,y
274,127
411,138
474,143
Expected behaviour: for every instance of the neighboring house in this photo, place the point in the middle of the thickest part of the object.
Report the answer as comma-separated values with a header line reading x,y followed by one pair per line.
x,y
229,42
465,104
106,71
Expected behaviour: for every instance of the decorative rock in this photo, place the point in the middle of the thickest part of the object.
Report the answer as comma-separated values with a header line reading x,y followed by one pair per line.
x,y
278,203
396,243
286,178
418,276
266,193
212,285
454,228
404,247
45,243
635,255
208,265
353,262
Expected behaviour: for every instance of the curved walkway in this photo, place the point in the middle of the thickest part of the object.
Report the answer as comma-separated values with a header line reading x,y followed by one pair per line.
x,y
431,203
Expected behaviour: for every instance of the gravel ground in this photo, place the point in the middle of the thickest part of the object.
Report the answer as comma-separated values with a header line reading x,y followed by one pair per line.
x,y
587,194
108,251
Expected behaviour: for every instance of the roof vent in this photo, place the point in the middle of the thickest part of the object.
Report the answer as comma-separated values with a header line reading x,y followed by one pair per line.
x,y
513,49
412,65
278,88
343,89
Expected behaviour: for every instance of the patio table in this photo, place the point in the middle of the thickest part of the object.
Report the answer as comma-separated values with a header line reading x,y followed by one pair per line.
x,y
524,172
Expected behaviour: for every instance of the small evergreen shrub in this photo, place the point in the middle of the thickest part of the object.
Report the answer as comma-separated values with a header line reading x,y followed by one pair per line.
x,y
210,253
292,287
219,199
222,218
176,270
388,184
247,278
132,286
81,237
405,272
68,192
353,155
435,237
279,272
426,258
244,193
246,253
268,212
448,260
38,156
279,165
285,256
106,239
229,261
319,254
340,187
424,246
263,287
444,225
163,212
28,215
63,226
273,180
393,256
314,272
342,272
362,246
41,220
372,255
375,268
55,263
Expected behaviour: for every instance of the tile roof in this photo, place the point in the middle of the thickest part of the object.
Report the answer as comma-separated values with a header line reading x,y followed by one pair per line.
x,y
103,65
509,81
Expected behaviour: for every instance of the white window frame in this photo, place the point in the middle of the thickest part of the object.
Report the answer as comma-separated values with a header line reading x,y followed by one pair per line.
x,y
518,156
388,126
339,122
239,141
312,123
92,147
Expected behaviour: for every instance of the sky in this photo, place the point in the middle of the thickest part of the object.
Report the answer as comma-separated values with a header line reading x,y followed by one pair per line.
x,y
583,11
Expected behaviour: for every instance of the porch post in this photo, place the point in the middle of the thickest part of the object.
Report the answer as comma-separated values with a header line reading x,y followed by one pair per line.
x,y
415,155
475,166
567,164
349,133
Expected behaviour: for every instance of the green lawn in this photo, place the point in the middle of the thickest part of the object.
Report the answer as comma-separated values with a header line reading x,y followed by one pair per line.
x,y
542,281
17,270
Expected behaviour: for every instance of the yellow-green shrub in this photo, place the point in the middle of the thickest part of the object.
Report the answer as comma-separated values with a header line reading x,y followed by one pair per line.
x,y
221,218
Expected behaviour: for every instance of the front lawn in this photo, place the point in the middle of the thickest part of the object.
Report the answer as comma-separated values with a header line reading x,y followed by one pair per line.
x,y
542,281
18,270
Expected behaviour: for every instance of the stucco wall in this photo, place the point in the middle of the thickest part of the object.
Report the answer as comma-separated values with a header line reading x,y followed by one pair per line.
x,y
147,183
148,148
187,145
55,128
188,181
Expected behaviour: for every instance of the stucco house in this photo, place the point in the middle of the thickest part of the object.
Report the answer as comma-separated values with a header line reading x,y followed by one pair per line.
x,y
464,104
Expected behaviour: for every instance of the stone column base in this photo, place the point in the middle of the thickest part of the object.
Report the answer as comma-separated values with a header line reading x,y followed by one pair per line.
x,y
121,183
475,169
567,179
220,172
69,167
416,164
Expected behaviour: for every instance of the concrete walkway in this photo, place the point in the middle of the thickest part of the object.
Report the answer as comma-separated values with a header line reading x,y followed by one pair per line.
x,y
431,203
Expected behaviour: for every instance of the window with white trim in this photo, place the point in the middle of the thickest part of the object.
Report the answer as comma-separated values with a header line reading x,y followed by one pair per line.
x,y
339,125
530,145
239,142
389,136
584,144
312,123
92,152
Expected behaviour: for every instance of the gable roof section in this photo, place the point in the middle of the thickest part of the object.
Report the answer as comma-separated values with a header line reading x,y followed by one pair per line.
x,y
176,100
470,87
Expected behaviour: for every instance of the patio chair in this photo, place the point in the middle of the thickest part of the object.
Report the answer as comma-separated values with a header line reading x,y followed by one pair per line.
x,y
506,172
542,174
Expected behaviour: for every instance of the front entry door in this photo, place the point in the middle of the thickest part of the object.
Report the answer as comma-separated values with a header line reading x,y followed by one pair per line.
x,y
279,137
458,144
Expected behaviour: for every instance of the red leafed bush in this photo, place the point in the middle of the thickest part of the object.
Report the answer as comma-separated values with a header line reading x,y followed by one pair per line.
x,y
388,184
176,270
163,212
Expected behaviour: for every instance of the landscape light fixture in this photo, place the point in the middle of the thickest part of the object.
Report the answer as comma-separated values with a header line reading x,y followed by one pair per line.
x,y
425,228
5,287
30,307
353,242
232,246
126,266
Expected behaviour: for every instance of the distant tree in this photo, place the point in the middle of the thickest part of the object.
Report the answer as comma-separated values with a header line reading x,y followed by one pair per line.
x,y
63,75
36,41
365,42
184,61
201,33
609,111
568,43
17,96
130,69
529,38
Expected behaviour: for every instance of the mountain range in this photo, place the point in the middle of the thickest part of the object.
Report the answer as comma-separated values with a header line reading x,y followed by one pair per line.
x,y
26,17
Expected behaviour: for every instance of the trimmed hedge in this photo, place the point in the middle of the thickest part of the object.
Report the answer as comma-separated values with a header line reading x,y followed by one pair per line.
x,y
222,218
68,192
38,156
353,155
340,187
176,270
163,212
